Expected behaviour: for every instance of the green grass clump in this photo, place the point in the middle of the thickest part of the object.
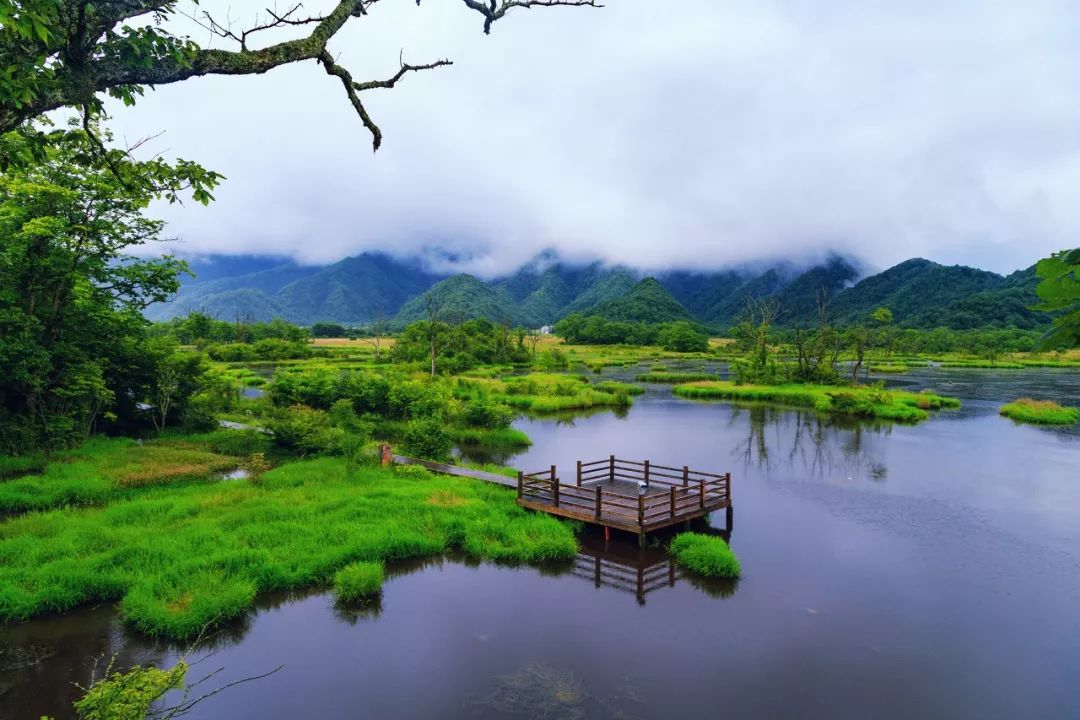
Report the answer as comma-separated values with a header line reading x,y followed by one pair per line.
x,y
358,580
614,386
860,401
549,392
495,438
889,368
184,558
674,378
1040,412
705,555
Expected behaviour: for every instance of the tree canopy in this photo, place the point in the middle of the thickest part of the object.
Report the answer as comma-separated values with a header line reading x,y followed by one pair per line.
x,y
1060,293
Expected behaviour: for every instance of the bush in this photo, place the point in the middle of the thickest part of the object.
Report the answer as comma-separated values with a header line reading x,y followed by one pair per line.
x,y
427,439
705,554
305,430
487,413
358,581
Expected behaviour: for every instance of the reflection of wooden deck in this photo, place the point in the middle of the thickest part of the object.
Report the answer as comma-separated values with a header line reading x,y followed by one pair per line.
x,y
637,497
618,567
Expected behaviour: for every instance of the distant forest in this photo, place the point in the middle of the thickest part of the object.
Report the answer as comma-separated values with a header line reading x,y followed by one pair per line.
x,y
359,290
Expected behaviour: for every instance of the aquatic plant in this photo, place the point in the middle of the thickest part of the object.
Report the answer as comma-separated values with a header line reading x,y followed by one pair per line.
x,y
706,555
358,580
674,378
499,438
1040,412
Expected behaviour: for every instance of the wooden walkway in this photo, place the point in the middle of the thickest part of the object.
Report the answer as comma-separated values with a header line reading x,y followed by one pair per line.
x,y
456,470
637,497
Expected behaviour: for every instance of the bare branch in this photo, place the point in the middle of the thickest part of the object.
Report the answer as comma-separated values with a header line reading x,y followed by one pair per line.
x,y
352,88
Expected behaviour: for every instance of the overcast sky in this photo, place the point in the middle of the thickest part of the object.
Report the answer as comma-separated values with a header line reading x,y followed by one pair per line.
x,y
659,134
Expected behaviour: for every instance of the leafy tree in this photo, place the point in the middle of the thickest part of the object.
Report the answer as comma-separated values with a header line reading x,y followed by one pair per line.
x,y
683,337
71,328
1059,291
327,330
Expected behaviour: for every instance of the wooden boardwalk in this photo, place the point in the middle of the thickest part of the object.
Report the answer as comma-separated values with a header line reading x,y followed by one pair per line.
x,y
637,497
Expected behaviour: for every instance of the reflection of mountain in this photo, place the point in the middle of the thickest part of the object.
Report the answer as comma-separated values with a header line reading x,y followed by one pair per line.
x,y
818,445
639,571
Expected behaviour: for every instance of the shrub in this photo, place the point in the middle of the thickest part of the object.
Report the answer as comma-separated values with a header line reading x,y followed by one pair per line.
x,y
705,554
358,581
305,430
484,412
427,439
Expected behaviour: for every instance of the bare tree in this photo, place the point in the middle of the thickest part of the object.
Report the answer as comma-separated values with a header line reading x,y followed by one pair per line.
x,y
69,53
378,329
434,307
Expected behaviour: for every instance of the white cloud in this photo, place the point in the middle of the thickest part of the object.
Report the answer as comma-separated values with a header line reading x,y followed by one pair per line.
x,y
658,134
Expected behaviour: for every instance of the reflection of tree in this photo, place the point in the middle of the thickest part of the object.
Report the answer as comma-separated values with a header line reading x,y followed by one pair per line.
x,y
819,444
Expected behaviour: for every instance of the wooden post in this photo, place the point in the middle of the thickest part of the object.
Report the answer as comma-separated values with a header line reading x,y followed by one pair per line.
x,y
579,473
671,572
672,501
554,487
701,488
641,511
646,473
727,483
686,476
386,454
611,470
598,502
521,484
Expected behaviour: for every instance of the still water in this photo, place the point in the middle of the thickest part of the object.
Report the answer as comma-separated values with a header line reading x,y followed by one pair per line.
x,y
890,572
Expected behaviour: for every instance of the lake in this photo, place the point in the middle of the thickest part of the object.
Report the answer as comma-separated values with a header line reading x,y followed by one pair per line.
x,y
889,571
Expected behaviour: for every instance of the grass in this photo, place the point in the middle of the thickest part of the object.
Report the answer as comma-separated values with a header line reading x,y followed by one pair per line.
x,y
889,368
357,581
189,557
548,392
706,555
105,468
497,438
1040,412
614,386
674,378
860,401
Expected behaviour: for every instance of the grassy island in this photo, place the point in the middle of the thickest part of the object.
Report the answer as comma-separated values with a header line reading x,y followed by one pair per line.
x,y
1040,412
861,401
705,555
673,377
180,559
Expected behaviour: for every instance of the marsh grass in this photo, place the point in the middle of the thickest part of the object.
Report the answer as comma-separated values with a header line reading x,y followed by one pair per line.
x,y
358,581
860,401
493,438
1040,412
889,368
548,392
104,468
614,386
706,555
675,378
187,557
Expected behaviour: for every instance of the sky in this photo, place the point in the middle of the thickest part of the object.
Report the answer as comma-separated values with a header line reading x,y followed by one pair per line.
x,y
696,134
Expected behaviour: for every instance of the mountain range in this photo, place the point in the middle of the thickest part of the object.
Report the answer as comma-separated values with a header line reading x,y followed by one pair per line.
x,y
353,291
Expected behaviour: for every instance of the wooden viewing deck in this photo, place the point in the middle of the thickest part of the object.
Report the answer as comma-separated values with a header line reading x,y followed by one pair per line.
x,y
638,497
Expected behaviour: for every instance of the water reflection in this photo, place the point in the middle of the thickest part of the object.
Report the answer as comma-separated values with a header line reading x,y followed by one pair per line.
x,y
815,445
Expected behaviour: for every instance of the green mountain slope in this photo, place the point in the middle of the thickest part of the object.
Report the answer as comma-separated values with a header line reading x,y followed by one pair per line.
x,y
647,302
917,291
463,297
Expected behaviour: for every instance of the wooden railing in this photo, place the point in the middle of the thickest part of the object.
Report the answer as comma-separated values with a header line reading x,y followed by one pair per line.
x,y
627,492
